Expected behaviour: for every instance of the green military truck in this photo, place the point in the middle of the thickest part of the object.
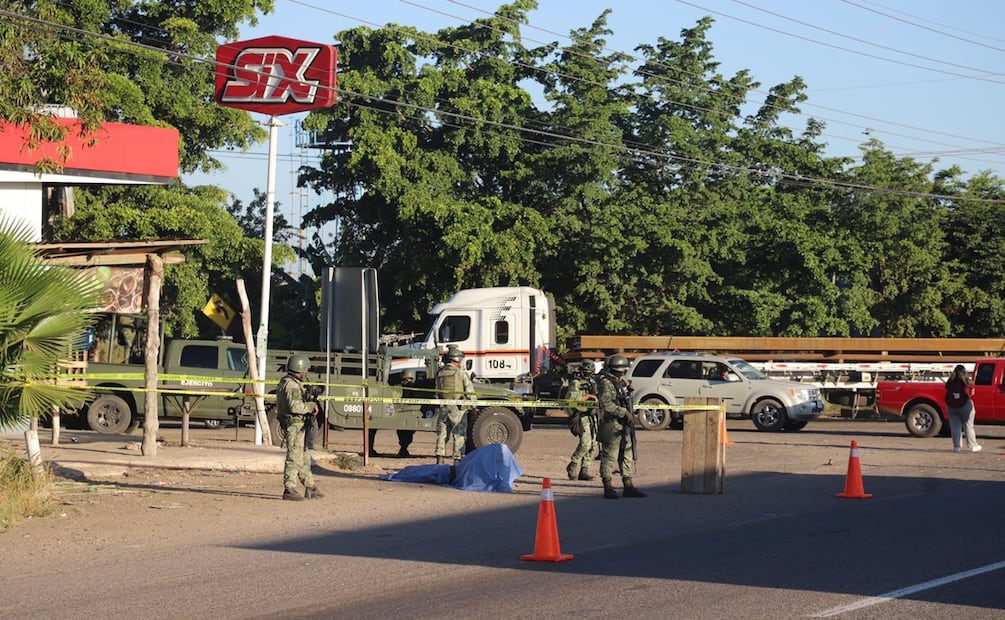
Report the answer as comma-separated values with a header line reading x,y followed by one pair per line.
x,y
210,378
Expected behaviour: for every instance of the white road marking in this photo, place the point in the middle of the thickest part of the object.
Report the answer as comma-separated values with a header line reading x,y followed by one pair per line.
x,y
889,596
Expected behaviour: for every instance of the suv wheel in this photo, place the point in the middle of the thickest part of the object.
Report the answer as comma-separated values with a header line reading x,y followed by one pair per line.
x,y
769,415
653,419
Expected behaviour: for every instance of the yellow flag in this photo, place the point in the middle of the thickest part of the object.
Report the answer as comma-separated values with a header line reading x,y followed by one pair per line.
x,y
219,312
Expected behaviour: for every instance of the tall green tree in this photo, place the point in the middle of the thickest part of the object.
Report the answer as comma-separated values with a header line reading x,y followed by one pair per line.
x,y
975,252
902,238
43,312
425,193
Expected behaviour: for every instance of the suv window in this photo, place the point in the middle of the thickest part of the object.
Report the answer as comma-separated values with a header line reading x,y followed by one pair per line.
x,y
684,369
646,368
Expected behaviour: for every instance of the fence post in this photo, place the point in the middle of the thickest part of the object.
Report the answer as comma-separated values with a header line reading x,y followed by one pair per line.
x,y
703,455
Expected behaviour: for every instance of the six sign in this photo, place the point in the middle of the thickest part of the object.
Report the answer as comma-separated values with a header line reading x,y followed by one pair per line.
x,y
276,75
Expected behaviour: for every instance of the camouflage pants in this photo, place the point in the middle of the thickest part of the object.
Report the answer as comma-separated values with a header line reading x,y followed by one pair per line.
x,y
446,428
583,455
615,450
297,468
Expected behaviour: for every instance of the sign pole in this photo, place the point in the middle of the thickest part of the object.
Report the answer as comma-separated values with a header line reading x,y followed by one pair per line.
x,y
262,343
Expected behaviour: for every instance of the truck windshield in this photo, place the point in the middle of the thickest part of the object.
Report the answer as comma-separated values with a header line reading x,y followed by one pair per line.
x,y
746,369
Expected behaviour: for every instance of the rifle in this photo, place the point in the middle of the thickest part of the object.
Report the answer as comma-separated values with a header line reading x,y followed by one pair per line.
x,y
311,395
625,396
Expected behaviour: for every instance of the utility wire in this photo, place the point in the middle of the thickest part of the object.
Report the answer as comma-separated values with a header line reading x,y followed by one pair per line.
x,y
539,134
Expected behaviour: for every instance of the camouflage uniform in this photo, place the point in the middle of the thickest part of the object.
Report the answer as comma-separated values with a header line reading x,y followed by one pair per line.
x,y
452,419
579,463
614,434
295,413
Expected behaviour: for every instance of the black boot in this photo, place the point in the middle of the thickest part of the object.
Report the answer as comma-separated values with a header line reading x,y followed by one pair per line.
x,y
584,473
572,469
313,493
609,491
291,495
630,490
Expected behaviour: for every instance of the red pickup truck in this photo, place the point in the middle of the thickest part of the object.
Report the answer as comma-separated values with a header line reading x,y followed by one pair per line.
x,y
923,403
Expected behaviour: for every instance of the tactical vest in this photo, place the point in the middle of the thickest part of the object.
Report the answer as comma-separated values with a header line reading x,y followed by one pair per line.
x,y
449,382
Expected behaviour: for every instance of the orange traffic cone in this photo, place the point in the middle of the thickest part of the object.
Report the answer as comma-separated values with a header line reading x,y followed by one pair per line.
x,y
853,481
723,435
546,547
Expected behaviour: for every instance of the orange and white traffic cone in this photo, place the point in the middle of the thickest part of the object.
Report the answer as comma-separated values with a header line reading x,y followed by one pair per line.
x,y
723,435
546,546
853,481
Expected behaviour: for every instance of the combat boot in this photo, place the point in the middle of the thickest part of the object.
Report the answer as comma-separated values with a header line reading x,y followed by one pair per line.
x,y
313,493
573,470
609,491
439,459
630,490
584,473
293,496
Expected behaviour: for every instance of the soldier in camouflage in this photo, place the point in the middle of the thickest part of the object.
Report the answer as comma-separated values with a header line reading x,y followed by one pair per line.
x,y
452,419
614,432
294,413
583,424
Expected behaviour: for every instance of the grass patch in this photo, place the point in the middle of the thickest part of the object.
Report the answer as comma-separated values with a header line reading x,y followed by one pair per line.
x,y
24,493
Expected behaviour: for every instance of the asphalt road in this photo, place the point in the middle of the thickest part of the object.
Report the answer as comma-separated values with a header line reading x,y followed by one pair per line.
x,y
776,543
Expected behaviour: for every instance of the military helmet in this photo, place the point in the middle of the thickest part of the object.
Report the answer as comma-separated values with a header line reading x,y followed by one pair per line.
x,y
297,363
617,364
408,374
454,354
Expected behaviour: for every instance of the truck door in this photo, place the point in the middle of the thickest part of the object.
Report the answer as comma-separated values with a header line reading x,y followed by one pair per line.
x,y
989,391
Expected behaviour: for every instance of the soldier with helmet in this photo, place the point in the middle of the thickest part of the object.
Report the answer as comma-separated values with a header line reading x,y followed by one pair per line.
x,y
294,414
614,432
405,436
452,419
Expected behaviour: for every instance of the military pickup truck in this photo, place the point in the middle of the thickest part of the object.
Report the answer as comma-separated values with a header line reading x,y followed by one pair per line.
x,y
210,379
922,404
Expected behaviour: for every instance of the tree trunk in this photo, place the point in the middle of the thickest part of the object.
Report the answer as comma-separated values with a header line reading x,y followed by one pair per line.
x,y
153,276
263,433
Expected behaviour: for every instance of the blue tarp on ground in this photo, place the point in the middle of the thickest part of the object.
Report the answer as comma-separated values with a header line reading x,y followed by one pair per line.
x,y
489,468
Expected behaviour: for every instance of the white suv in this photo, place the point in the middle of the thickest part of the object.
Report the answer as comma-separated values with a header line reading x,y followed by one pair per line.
x,y
669,378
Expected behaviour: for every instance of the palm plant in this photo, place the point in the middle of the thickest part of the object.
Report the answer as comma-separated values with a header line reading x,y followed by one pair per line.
x,y
44,309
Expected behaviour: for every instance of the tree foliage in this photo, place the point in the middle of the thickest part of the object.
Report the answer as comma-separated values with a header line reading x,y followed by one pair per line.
x,y
43,311
650,194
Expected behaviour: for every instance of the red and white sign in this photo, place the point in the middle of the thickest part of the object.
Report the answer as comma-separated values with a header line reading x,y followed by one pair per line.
x,y
276,75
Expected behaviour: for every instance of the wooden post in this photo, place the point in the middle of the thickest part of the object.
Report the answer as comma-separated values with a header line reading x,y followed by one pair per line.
x,y
263,434
186,410
55,424
703,456
153,274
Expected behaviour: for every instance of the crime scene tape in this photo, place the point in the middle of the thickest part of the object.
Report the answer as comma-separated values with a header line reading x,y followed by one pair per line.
x,y
243,387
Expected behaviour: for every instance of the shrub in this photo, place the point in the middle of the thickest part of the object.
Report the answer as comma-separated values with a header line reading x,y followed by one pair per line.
x,y
25,492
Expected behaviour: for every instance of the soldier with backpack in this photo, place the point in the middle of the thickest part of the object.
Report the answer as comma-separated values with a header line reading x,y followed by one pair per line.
x,y
452,383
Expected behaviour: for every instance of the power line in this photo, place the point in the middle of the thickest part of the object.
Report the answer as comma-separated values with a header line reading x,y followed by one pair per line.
x,y
540,135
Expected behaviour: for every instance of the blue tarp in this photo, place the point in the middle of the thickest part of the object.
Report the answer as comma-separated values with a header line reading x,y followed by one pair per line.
x,y
489,468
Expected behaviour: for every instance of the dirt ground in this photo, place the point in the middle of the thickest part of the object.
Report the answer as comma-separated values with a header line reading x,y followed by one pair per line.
x,y
169,507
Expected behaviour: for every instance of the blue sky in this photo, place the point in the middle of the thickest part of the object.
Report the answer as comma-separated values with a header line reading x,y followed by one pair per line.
x,y
925,77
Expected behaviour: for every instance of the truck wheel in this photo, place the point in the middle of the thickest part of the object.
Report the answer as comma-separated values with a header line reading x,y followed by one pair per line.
x,y
769,415
212,423
275,429
653,419
497,425
793,425
109,413
923,420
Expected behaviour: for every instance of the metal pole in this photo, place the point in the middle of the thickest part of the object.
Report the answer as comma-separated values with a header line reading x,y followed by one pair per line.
x,y
263,326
